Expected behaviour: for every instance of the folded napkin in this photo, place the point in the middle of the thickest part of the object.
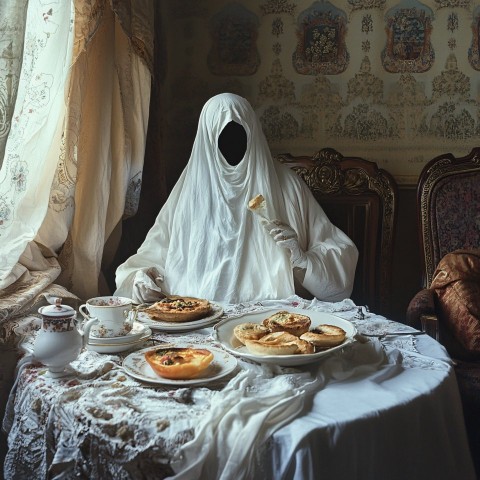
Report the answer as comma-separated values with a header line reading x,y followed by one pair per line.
x,y
357,360
242,417
256,403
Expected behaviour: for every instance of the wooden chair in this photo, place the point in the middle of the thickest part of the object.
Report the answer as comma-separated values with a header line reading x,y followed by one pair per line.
x,y
361,199
448,206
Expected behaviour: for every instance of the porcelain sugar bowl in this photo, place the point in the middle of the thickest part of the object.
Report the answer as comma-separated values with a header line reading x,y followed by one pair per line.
x,y
61,339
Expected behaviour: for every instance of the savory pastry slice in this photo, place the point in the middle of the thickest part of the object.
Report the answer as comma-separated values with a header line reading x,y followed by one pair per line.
x,y
258,205
284,321
179,309
256,202
179,363
249,331
325,336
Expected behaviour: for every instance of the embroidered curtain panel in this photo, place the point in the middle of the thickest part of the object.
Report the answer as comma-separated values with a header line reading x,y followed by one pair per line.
x,y
74,152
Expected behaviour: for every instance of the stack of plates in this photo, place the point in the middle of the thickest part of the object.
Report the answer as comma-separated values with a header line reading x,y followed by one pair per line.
x,y
139,334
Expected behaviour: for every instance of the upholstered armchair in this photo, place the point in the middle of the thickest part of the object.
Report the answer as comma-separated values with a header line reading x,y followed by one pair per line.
x,y
448,304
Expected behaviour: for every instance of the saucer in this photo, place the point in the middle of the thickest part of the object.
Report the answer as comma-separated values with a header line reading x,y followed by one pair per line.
x,y
138,330
119,347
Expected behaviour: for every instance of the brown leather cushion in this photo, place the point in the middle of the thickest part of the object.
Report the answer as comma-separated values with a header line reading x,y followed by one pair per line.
x,y
456,282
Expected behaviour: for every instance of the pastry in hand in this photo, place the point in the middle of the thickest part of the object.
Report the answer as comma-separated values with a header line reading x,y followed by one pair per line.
x,y
256,202
179,363
258,205
284,321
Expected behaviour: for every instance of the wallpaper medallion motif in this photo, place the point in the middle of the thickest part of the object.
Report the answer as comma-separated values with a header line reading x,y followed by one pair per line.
x,y
277,6
366,4
275,87
455,112
321,47
409,28
234,33
279,125
327,118
453,3
392,81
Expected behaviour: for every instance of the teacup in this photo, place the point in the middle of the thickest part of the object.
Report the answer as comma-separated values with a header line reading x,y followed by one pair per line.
x,y
113,313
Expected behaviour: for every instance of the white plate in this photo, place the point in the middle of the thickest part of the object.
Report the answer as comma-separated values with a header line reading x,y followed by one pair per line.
x,y
223,333
119,347
222,364
183,326
138,330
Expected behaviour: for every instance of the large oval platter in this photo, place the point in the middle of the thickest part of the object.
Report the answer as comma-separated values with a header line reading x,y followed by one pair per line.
x,y
223,333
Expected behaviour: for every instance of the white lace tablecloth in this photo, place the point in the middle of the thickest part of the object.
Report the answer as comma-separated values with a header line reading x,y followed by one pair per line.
x,y
386,409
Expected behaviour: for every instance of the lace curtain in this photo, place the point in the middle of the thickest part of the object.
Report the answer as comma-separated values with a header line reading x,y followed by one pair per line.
x,y
73,134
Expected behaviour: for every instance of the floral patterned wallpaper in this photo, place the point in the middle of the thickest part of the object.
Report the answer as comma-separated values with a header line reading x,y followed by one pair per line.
x,y
395,82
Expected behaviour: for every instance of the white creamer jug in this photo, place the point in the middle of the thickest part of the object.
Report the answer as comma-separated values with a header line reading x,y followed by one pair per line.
x,y
60,340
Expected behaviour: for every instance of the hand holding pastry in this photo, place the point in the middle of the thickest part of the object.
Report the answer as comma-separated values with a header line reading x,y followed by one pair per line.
x,y
286,237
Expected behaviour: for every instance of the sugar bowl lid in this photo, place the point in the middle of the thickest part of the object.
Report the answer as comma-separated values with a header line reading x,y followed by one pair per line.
x,y
57,309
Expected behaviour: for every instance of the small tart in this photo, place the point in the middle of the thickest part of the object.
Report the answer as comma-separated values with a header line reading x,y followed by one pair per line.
x,y
175,308
325,336
249,331
179,363
277,343
284,321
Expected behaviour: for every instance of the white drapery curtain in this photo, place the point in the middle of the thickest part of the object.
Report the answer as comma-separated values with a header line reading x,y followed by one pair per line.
x,y
73,133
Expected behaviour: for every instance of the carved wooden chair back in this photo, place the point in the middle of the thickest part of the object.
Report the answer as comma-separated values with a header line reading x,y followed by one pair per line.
x,y
361,199
448,205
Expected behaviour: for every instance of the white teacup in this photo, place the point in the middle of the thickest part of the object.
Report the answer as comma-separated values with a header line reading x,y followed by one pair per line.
x,y
113,313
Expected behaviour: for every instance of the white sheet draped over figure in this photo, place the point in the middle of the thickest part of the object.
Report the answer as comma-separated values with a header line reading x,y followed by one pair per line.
x,y
205,241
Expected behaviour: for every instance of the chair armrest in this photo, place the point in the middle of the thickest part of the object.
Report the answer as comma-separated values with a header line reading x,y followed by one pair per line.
x,y
421,313
423,303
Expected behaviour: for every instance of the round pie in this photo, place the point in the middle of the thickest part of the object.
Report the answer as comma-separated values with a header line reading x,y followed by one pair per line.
x,y
249,331
179,363
284,321
325,336
179,309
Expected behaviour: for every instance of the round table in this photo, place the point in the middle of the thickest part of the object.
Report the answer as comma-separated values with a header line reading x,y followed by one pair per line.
x,y
381,408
